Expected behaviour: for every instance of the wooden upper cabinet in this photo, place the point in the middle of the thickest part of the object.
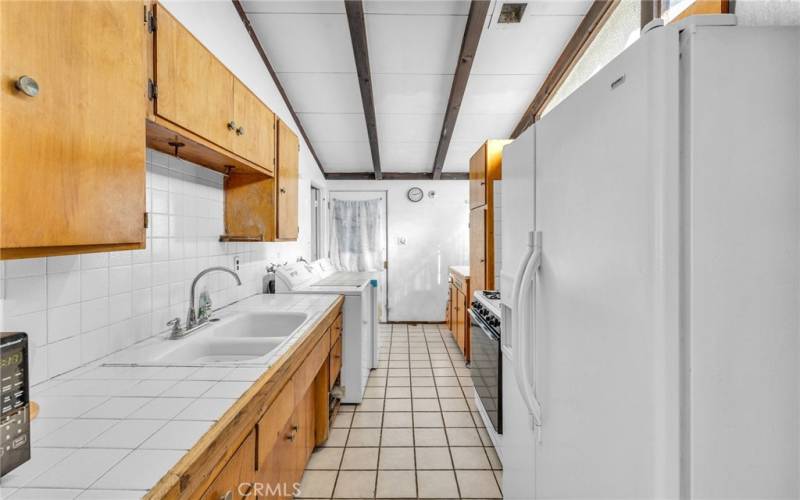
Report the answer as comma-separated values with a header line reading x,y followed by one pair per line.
x,y
485,167
72,157
287,175
195,90
220,122
254,128
477,178
477,248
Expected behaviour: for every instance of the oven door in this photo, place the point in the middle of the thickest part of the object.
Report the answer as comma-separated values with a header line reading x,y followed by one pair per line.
x,y
485,369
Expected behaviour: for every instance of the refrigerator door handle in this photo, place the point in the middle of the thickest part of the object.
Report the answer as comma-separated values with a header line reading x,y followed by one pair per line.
x,y
522,324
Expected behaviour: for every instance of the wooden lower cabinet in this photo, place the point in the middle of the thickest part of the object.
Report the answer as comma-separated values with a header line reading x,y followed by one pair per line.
x,y
280,474
284,417
236,480
335,362
459,303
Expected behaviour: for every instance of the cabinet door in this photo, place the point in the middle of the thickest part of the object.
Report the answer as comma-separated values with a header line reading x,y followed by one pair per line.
x,y
255,128
306,438
335,364
279,467
453,311
72,156
240,469
477,248
462,314
477,178
195,90
288,171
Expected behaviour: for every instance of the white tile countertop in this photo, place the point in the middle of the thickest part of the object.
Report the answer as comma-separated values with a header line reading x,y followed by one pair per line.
x,y
112,431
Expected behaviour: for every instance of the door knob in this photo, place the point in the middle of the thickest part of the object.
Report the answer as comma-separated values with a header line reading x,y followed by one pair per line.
x,y
27,86
232,125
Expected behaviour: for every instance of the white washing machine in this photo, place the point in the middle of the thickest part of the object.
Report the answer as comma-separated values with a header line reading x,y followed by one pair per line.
x,y
360,315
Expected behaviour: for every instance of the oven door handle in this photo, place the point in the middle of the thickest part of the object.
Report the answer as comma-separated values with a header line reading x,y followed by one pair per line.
x,y
487,332
524,330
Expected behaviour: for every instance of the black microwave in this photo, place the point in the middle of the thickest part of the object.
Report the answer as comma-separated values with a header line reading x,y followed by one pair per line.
x,y
15,429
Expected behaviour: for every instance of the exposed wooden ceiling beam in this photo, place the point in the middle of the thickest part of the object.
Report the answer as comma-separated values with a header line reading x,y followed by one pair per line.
x,y
358,36
396,176
595,18
469,46
263,54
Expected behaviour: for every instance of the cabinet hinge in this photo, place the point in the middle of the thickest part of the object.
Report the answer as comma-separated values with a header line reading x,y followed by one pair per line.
x,y
146,220
150,19
152,90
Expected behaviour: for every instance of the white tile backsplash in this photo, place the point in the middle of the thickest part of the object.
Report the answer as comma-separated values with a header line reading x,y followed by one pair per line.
x,y
79,308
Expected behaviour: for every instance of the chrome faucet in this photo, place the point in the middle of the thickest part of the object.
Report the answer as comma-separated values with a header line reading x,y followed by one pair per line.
x,y
195,319
191,316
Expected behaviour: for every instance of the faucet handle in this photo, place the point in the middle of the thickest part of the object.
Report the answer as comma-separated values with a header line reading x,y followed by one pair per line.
x,y
175,323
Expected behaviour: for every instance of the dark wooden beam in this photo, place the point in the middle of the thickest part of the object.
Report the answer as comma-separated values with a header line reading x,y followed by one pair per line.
x,y
358,36
265,60
397,176
651,9
469,45
595,18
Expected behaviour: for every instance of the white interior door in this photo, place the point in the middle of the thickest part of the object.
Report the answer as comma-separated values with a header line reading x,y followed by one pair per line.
x,y
383,279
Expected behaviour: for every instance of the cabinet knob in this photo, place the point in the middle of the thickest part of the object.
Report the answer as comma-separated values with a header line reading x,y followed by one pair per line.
x,y
240,131
228,495
283,191
27,86
293,433
232,125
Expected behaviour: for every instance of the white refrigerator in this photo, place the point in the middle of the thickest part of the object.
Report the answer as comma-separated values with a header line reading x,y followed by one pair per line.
x,y
651,275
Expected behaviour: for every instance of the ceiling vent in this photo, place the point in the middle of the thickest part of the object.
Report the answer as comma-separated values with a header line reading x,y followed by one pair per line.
x,y
511,13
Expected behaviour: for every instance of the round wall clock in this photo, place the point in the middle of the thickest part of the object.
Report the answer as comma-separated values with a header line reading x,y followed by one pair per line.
x,y
415,194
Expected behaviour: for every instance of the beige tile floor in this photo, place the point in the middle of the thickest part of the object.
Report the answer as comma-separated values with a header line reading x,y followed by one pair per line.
x,y
417,433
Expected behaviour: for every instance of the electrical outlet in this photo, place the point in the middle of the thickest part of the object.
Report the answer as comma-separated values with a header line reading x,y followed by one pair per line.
x,y
236,263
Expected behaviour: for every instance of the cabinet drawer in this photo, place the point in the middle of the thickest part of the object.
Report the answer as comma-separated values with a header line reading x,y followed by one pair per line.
x,y
335,362
273,421
241,468
305,375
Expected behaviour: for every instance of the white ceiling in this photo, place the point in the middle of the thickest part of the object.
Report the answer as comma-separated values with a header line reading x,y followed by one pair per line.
x,y
511,63
413,49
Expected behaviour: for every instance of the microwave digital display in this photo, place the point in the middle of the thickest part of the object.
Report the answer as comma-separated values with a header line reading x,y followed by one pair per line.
x,y
13,376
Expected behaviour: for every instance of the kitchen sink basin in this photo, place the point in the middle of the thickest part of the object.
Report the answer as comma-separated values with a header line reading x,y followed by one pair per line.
x,y
204,350
260,325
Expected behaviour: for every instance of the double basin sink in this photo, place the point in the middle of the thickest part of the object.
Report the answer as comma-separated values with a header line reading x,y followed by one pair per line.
x,y
243,337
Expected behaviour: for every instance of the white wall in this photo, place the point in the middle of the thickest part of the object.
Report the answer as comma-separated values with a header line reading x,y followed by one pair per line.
x,y
436,232
768,12
77,309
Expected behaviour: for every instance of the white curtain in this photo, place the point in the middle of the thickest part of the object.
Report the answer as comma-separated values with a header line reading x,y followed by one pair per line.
x,y
356,243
